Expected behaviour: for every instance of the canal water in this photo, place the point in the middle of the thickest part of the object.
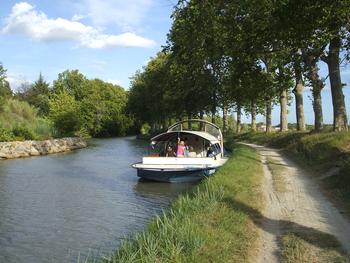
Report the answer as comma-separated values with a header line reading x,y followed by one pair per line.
x,y
62,207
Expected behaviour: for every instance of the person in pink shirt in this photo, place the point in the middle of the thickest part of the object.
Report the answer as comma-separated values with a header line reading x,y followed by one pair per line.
x,y
180,149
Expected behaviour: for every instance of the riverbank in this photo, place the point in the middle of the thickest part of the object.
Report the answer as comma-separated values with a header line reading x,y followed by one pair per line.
x,y
213,223
324,155
19,149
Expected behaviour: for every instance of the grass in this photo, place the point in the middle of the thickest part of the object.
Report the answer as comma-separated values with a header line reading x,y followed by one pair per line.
x,y
277,170
214,223
317,152
299,247
19,121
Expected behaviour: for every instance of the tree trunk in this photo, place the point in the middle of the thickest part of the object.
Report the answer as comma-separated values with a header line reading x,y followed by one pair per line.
x,y
164,124
299,102
284,111
340,122
239,118
190,123
268,115
317,86
317,106
213,109
225,119
253,115
201,116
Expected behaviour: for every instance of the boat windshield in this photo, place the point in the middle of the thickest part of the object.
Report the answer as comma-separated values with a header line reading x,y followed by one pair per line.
x,y
195,146
197,125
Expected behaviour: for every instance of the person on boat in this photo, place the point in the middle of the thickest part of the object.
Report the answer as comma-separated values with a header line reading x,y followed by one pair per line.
x,y
187,147
180,149
210,151
170,152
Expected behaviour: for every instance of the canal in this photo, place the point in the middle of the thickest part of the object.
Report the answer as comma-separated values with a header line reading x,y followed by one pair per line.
x,y
58,208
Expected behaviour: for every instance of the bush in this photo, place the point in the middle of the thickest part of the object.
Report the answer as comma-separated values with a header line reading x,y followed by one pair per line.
x,y
23,132
5,135
21,118
65,113
145,129
44,129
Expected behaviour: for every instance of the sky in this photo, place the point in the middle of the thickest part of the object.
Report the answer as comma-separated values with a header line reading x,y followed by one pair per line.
x,y
109,39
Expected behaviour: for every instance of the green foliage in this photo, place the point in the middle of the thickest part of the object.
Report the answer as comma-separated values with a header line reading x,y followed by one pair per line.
x,y
5,135
36,95
211,224
20,121
23,133
44,129
17,112
65,113
145,129
71,81
88,107
5,90
237,54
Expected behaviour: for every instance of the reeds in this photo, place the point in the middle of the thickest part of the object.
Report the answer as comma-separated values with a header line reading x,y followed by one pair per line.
x,y
19,121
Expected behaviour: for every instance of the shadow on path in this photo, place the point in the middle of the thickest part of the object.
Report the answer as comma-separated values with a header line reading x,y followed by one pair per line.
x,y
313,236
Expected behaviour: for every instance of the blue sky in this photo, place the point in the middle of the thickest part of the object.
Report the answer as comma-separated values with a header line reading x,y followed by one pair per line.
x,y
108,39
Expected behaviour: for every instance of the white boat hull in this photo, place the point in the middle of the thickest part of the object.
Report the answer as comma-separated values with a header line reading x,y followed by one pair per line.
x,y
177,169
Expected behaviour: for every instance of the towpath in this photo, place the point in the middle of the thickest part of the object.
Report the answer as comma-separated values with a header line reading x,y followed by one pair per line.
x,y
300,207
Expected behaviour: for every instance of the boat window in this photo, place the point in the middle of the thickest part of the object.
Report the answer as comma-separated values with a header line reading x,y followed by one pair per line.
x,y
217,148
157,148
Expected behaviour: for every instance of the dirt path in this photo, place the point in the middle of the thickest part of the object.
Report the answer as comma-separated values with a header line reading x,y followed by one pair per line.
x,y
301,206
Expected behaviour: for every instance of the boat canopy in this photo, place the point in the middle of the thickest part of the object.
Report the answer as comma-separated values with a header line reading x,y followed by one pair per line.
x,y
197,125
166,136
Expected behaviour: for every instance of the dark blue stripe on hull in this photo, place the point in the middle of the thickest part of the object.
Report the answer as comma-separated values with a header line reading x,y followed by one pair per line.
x,y
174,176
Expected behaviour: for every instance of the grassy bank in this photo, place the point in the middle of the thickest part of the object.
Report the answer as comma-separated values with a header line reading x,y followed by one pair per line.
x,y
214,223
305,246
327,155
20,121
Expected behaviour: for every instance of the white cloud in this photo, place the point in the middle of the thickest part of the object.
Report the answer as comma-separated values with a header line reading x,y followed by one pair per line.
x,y
77,17
26,20
123,40
126,14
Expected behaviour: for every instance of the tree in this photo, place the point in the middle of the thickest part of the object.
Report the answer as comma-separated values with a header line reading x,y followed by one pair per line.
x,y
5,90
36,94
65,113
72,81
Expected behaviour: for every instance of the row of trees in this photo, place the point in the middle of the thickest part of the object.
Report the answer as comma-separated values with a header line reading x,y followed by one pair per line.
x,y
74,104
248,55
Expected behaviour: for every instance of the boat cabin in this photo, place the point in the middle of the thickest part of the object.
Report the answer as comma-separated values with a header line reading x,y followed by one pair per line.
x,y
201,139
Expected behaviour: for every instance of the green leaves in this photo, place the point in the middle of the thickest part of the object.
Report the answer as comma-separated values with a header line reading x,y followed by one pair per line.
x,y
92,106
65,112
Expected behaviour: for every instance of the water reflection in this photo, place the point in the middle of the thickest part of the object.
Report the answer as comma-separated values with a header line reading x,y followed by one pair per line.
x,y
162,190
55,207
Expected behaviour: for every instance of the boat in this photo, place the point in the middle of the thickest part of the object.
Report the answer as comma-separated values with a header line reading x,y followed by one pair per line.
x,y
201,153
